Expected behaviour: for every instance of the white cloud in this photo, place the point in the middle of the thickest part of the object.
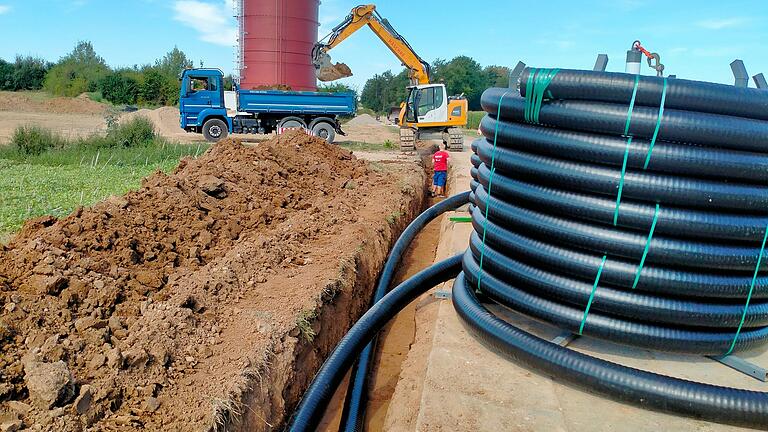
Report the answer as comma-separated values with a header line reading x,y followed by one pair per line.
x,y
212,20
722,23
4,9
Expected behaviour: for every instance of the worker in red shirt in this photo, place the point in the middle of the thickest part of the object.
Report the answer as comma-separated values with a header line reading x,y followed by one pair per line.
x,y
440,165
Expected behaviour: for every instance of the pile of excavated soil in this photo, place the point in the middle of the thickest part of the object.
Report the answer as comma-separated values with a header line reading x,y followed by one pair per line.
x,y
206,300
39,102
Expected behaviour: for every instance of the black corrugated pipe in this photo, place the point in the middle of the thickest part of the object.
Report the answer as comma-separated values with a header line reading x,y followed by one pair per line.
x,y
632,209
647,389
657,245
353,414
315,400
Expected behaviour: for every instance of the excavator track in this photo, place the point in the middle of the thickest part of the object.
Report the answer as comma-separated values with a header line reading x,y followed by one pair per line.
x,y
407,140
455,140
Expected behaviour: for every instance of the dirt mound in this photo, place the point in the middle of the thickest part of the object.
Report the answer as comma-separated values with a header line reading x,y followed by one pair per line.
x,y
364,120
40,102
175,306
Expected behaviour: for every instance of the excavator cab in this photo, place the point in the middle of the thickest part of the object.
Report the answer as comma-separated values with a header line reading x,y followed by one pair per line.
x,y
427,104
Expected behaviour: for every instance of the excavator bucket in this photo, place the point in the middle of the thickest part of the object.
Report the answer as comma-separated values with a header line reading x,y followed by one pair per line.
x,y
327,71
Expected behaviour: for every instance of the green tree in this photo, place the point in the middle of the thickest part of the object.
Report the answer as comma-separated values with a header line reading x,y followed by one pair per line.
x,y
498,76
462,75
337,88
29,73
384,91
229,83
119,88
173,63
26,73
79,71
6,75
151,89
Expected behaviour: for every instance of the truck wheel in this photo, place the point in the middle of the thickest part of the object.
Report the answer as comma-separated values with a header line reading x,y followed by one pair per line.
x,y
325,131
215,130
292,123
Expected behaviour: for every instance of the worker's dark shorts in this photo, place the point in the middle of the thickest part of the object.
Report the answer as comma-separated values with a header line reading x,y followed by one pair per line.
x,y
439,178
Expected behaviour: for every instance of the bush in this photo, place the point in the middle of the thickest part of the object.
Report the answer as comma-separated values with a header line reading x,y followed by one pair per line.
x,y
474,118
35,140
151,89
78,72
136,132
27,73
119,88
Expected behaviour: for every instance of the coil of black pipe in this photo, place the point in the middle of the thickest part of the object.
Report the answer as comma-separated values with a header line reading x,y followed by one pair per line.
x,y
548,218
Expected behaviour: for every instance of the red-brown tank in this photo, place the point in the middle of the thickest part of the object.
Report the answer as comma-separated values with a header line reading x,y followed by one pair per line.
x,y
276,43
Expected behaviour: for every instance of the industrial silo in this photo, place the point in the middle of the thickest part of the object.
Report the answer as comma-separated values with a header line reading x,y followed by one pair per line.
x,y
276,40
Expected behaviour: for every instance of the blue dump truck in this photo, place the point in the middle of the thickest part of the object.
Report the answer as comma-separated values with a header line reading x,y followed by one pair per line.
x,y
206,108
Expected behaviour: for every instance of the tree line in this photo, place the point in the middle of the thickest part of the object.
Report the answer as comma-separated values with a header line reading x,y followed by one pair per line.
x,y
84,71
461,75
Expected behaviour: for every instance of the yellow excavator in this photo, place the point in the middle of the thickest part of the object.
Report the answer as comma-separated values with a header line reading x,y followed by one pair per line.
x,y
428,112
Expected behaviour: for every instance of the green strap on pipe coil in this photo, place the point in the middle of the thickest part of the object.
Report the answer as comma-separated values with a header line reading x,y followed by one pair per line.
x,y
490,184
538,81
621,181
631,105
592,295
749,295
658,124
626,150
647,246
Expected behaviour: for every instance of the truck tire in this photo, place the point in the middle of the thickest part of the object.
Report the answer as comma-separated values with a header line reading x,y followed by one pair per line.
x,y
215,130
325,131
292,123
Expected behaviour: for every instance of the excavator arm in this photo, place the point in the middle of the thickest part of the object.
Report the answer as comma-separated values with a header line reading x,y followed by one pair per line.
x,y
358,18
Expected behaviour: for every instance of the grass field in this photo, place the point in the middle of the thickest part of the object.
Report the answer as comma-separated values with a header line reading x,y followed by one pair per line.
x,y
363,146
57,181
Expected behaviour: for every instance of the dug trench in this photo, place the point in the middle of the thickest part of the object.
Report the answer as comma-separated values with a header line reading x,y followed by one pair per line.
x,y
396,338
207,299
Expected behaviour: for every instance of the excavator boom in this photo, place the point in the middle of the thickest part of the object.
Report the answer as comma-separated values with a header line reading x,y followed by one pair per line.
x,y
358,18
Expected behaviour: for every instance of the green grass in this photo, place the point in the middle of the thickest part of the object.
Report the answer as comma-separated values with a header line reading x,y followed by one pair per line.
x,y
363,146
80,173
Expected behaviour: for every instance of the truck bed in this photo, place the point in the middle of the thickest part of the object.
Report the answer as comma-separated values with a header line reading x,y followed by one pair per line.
x,y
293,102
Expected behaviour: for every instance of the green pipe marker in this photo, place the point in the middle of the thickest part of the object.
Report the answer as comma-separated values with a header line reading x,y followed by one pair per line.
x,y
490,183
592,294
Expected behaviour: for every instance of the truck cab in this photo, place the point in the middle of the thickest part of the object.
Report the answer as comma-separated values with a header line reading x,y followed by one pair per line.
x,y
204,107
201,101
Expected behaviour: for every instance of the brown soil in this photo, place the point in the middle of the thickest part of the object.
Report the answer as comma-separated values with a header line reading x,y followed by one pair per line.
x,y
207,299
39,102
397,337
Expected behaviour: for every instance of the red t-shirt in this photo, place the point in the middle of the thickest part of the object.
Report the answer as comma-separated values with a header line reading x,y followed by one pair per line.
x,y
440,160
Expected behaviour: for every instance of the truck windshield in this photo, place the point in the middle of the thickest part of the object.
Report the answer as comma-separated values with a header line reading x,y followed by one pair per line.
x,y
201,83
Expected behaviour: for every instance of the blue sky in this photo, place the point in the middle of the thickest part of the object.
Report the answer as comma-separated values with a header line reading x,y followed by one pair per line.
x,y
696,39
